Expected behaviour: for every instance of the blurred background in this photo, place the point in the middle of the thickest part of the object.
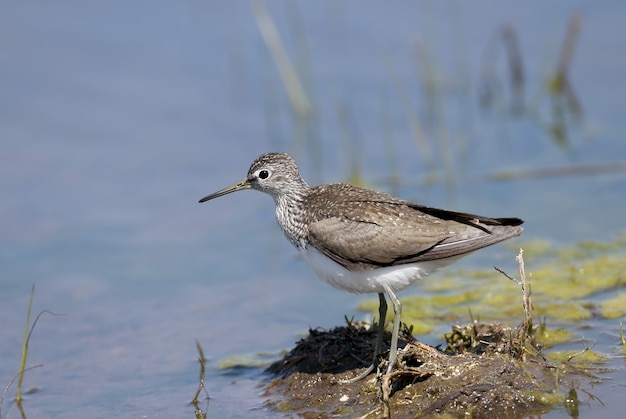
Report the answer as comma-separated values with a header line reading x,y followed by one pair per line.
x,y
117,116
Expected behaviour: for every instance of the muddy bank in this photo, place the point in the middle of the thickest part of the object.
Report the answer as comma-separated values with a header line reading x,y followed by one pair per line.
x,y
483,371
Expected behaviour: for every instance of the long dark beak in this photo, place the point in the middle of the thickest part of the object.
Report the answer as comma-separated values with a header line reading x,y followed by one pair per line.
x,y
240,186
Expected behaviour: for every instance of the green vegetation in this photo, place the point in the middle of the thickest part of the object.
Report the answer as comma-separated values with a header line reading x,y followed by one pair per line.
x,y
28,330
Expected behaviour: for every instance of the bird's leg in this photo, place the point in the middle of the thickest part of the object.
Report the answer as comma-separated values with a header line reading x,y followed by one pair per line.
x,y
382,314
397,312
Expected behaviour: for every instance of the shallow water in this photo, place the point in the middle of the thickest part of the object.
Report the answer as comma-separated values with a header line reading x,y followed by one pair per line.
x,y
117,118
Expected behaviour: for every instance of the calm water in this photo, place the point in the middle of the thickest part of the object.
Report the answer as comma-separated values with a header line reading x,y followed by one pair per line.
x,y
117,117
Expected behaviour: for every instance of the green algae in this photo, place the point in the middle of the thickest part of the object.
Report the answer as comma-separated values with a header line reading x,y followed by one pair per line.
x,y
241,362
563,310
614,307
547,398
577,278
585,357
549,337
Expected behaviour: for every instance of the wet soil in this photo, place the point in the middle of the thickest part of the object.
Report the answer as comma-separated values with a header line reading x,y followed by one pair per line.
x,y
483,373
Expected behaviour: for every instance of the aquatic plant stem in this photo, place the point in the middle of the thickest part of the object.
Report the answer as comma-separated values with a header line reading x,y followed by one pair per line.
x,y
200,414
18,396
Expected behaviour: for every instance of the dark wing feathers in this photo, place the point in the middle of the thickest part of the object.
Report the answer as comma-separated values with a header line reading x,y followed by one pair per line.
x,y
465,218
369,230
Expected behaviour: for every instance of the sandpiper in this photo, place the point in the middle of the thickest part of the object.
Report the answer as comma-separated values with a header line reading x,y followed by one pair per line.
x,y
364,241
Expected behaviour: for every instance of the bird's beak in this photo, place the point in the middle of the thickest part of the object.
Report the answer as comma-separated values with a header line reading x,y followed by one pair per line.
x,y
239,186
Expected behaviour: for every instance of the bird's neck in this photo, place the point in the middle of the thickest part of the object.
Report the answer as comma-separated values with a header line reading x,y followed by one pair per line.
x,y
291,216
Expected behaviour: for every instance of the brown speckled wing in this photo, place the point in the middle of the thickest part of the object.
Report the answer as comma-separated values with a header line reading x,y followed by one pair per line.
x,y
367,229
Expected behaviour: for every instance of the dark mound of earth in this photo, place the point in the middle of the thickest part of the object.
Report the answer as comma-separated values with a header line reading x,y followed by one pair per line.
x,y
483,373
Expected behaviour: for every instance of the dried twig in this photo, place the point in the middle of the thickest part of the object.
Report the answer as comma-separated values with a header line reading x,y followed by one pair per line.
x,y
525,330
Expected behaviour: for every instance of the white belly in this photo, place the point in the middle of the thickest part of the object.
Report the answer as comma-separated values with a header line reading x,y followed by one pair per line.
x,y
397,277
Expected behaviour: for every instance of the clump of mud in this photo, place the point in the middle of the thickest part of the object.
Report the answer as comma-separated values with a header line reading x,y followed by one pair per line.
x,y
480,374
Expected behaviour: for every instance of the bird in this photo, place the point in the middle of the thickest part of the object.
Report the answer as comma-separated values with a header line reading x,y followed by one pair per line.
x,y
365,241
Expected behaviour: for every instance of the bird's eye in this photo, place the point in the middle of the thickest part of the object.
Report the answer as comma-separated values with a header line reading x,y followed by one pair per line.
x,y
264,174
